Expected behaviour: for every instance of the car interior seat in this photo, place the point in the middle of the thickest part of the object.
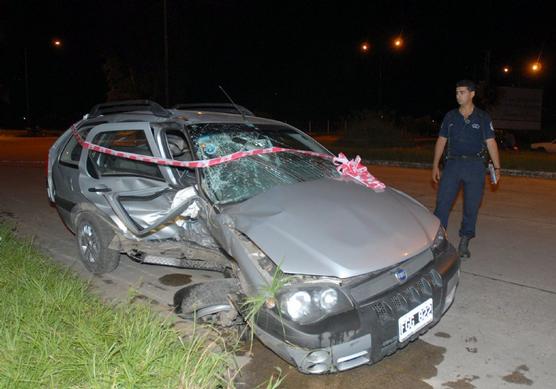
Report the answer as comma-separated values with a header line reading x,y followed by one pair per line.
x,y
180,151
178,147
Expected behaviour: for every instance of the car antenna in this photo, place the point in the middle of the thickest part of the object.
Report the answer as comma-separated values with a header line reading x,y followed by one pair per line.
x,y
234,104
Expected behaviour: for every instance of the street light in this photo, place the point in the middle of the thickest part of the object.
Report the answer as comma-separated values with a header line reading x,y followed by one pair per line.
x,y
56,42
506,70
364,47
535,67
397,43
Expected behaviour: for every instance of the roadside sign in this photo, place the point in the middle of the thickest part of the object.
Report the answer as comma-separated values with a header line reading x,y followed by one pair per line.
x,y
517,109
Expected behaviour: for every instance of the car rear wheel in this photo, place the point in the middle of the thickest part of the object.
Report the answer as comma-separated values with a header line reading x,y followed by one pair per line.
x,y
93,237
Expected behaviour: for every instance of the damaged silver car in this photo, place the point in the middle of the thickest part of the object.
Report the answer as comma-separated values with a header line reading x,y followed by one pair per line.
x,y
366,272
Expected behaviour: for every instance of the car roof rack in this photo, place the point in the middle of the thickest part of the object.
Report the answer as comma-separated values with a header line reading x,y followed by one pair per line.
x,y
128,106
214,107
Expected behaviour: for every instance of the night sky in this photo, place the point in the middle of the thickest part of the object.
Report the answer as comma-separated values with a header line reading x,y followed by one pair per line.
x,y
292,60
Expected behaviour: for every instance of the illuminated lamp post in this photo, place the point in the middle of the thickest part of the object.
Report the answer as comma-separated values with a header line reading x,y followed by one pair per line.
x,y
397,44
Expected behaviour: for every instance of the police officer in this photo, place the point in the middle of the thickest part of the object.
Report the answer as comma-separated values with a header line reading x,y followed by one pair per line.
x,y
466,135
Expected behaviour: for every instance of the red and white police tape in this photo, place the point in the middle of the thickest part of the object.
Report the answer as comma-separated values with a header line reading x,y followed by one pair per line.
x,y
352,168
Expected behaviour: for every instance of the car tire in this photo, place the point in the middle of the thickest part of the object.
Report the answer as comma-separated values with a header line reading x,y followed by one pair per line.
x,y
208,301
93,236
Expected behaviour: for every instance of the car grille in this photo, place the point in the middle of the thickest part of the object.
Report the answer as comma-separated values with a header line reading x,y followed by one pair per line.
x,y
398,301
381,309
364,288
382,299
424,286
402,299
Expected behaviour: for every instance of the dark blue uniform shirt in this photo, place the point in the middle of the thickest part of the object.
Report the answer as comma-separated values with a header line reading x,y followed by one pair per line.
x,y
466,136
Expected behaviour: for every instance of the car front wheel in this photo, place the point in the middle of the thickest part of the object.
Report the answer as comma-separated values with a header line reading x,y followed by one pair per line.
x,y
208,301
93,238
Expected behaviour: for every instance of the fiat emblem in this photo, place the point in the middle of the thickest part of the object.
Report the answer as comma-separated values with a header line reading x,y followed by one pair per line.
x,y
401,275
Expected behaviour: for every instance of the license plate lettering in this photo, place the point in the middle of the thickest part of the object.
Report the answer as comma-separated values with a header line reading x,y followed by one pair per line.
x,y
415,320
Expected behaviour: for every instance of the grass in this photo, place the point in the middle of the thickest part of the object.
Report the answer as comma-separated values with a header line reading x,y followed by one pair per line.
x,y
274,382
520,160
56,333
253,304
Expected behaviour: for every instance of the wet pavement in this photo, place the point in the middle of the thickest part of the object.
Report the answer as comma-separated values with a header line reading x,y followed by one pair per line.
x,y
175,279
408,368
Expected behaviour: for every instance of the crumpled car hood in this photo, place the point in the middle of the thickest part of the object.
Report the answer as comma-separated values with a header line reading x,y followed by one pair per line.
x,y
334,227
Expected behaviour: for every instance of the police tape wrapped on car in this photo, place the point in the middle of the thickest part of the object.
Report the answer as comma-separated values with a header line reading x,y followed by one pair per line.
x,y
350,269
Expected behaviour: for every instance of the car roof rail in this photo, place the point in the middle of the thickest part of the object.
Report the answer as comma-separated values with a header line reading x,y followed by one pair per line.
x,y
128,106
214,107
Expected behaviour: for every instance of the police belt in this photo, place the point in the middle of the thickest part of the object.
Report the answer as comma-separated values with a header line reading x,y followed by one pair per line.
x,y
473,157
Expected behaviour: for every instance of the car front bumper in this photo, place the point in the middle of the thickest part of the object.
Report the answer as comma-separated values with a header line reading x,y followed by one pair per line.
x,y
367,333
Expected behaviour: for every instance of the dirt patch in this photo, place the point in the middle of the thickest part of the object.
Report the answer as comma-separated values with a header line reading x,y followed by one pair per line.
x,y
471,339
518,376
442,335
24,149
462,383
470,349
408,368
176,279
143,298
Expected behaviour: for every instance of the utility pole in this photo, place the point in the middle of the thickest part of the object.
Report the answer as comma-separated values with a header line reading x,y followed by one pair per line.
x,y
380,60
27,104
487,92
487,67
166,86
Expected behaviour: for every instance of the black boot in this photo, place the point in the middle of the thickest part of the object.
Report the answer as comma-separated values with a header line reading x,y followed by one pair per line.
x,y
463,249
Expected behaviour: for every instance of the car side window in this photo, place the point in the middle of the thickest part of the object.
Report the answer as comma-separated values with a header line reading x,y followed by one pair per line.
x,y
72,151
129,141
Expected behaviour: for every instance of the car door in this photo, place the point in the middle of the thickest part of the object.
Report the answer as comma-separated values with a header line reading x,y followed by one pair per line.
x,y
136,195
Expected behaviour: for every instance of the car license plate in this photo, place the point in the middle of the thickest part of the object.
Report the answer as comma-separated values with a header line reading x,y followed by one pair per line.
x,y
415,320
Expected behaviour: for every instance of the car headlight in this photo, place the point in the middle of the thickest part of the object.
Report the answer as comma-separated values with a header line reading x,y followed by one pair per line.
x,y
440,243
305,304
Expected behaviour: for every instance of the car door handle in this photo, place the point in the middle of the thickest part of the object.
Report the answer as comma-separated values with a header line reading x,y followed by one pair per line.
x,y
100,189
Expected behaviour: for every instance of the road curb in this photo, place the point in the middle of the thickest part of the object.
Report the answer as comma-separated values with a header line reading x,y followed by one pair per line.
x,y
22,163
422,165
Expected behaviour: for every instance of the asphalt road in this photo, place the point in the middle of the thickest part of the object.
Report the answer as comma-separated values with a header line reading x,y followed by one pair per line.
x,y
499,333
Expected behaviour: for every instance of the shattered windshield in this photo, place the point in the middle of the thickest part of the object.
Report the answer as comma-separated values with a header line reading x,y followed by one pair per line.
x,y
239,180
